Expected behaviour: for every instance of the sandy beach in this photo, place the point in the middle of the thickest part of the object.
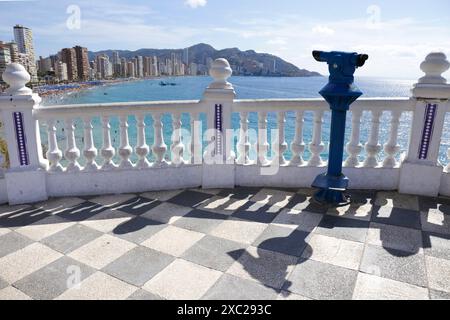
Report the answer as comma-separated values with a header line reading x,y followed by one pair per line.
x,y
49,91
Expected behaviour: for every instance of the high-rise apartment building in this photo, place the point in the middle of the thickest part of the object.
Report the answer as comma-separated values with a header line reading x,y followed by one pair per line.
x,y
14,51
123,68
24,39
69,57
186,56
140,67
131,69
45,65
5,58
147,66
155,68
135,66
104,67
82,62
116,64
61,71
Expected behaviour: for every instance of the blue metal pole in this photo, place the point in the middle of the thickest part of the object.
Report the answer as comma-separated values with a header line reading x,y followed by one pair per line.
x,y
336,153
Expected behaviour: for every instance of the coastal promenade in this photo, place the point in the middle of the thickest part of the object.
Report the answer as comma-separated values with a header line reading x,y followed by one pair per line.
x,y
195,222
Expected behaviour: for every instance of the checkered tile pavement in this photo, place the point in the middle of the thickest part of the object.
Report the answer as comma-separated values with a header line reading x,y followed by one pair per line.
x,y
245,243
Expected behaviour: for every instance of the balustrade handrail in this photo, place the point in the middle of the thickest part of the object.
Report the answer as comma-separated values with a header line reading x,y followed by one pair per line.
x,y
241,105
312,104
116,108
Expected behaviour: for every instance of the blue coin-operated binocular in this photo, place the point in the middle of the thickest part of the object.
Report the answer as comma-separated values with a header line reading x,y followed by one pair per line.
x,y
340,93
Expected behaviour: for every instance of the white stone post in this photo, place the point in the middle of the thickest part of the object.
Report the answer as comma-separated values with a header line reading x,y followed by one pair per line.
x,y
26,177
219,158
421,171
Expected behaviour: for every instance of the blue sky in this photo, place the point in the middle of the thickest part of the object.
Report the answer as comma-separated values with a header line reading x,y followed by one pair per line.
x,y
396,34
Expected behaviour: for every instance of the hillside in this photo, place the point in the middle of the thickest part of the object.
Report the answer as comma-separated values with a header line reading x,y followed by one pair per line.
x,y
247,63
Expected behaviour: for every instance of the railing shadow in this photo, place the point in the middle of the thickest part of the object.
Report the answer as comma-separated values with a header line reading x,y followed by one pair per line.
x,y
400,232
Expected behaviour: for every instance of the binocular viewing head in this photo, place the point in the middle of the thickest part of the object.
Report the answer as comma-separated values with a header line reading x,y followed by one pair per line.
x,y
342,65
335,57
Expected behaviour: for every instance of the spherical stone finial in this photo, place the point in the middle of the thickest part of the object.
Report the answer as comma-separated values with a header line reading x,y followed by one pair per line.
x,y
17,77
220,71
434,66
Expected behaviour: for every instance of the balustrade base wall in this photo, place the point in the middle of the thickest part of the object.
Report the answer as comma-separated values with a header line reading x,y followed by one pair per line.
x,y
123,181
64,184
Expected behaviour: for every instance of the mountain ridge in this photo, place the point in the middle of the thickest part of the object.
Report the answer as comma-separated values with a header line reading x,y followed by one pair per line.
x,y
244,63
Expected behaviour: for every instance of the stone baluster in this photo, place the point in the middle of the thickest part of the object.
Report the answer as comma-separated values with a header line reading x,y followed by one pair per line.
x,y
142,149
108,150
177,147
281,143
90,151
262,145
298,145
125,149
316,146
372,146
391,148
159,148
196,139
354,147
244,142
54,154
72,153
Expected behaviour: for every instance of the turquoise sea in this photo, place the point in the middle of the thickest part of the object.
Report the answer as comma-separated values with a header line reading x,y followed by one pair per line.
x,y
188,88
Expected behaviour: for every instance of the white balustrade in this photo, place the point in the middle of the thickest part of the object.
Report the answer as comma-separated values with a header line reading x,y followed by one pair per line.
x,y
142,149
54,154
159,148
243,145
391,148
90,151
354,147
373,147
316,146
262,146
177,147
72,152
298,145
108,150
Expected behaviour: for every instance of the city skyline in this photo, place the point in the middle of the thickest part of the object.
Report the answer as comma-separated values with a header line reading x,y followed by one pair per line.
x,y
77,64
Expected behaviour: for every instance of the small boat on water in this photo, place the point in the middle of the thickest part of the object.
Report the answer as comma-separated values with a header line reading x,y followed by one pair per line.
x,y
164,84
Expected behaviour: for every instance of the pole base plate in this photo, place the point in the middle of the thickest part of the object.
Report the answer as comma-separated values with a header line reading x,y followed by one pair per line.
x,y
332,190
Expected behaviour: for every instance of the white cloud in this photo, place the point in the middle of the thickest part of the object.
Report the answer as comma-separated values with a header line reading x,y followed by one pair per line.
x,y
277,41
195,3
321,29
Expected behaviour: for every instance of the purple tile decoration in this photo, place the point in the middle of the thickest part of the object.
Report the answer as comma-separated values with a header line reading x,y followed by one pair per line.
x,y
21,139
218,125
427,134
